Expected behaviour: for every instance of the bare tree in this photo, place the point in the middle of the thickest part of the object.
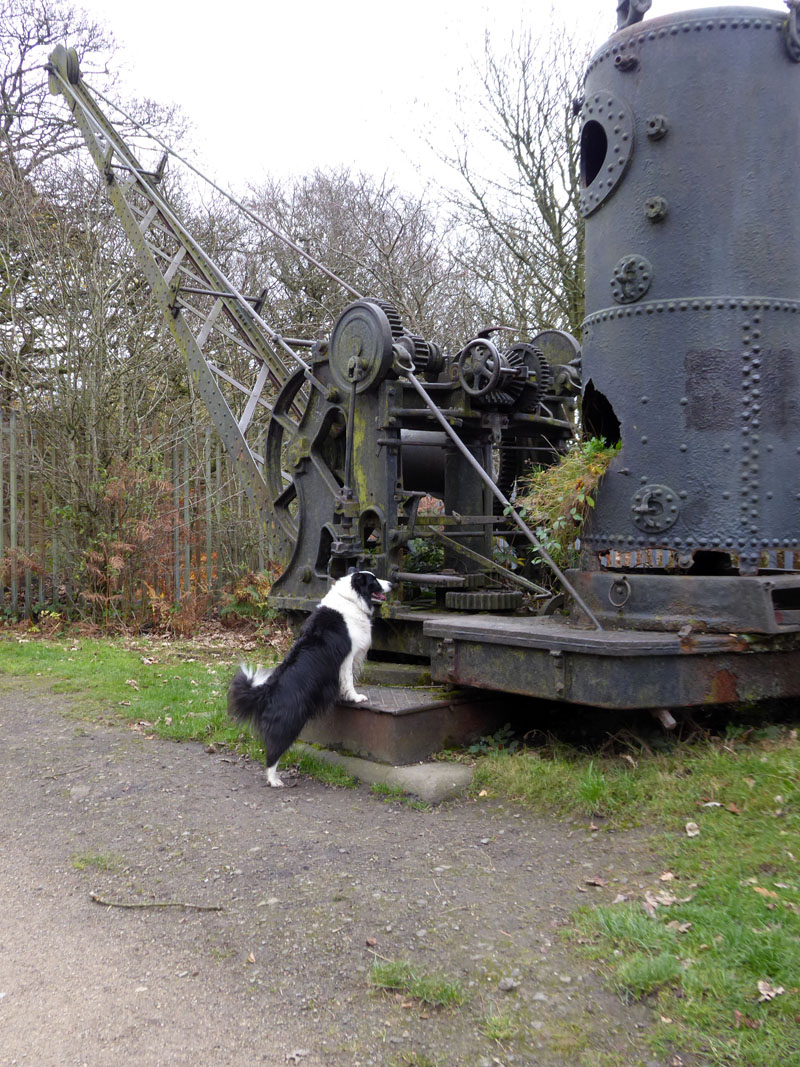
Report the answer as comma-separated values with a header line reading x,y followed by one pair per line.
x,y
35,129
32,131
519,172
382,242
83,356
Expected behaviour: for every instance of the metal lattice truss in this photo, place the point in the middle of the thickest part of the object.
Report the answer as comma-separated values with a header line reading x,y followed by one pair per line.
x,y
236,360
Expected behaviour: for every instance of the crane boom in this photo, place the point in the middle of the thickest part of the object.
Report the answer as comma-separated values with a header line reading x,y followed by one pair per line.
x,y
200,305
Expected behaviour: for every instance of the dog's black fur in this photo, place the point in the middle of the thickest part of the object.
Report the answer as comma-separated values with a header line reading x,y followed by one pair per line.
x,y
318,670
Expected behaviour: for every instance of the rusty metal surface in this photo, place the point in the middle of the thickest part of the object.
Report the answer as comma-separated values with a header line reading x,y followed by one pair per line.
x,y
548,633
759,604
615,669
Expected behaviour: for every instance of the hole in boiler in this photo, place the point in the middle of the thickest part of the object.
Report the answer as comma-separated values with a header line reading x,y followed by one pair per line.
x,y
599,419
594,146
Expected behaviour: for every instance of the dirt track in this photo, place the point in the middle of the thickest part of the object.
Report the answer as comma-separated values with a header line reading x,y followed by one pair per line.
x,y
312,883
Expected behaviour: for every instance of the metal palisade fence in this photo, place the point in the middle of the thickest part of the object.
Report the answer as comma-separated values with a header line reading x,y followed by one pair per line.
x,y
161,523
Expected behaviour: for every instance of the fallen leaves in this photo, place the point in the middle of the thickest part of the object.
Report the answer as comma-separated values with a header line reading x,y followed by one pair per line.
x,y
765,892
768,991
680,928
653,900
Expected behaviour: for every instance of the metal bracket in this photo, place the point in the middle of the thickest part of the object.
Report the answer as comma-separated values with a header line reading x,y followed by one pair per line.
x,y
791,31
559,661
631,11
619,592
631,279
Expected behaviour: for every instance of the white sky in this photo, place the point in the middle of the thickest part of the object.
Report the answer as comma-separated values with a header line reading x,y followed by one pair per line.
x,y
283,87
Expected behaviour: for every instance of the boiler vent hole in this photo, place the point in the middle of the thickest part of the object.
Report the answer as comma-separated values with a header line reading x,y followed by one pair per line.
x,y
594,146
599,417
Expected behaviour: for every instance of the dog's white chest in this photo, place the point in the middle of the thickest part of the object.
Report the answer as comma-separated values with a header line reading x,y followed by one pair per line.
x,y
360,632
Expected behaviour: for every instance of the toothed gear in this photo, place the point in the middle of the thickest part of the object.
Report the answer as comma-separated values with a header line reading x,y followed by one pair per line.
x,y
391,313
509,459
516,392
512,387
488,600
540,381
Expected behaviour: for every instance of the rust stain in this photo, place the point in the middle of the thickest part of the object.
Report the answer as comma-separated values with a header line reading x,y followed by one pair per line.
x,y
724,688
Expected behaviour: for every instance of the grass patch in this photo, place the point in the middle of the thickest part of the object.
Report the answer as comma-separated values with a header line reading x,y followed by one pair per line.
x,y
715,947
556,500
160,689
413,1059
97,862
401,977
307,763
500,1028
395,794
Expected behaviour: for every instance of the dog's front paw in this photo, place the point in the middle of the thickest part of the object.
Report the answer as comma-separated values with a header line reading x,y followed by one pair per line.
x,y
359,698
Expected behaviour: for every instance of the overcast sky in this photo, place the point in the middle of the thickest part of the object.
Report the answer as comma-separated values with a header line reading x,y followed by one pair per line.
x,y
282,88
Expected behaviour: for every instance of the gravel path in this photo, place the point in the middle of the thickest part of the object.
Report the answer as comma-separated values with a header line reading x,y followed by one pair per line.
x,y
312,883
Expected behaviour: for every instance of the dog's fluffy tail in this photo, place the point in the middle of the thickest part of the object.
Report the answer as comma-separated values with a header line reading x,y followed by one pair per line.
x,y
245,693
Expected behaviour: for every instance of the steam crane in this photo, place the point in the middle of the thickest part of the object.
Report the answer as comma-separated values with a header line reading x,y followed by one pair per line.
x,y
688,590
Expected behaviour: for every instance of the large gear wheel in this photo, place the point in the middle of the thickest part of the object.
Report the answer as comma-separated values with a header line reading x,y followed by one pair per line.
x,y
362,344
305,439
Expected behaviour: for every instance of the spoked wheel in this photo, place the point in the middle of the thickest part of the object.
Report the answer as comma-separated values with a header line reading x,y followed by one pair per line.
x,y
283,437
305,440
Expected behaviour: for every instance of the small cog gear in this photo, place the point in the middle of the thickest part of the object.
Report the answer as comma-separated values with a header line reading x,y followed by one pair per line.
x,y
540,380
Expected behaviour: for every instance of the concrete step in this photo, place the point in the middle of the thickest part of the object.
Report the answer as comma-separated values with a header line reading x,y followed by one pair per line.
x,y
403,724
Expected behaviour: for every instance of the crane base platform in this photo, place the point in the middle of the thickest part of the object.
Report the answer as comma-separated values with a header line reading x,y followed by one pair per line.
x,y
614,669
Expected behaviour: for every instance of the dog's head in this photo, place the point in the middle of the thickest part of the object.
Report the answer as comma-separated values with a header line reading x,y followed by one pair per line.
x,y
367,587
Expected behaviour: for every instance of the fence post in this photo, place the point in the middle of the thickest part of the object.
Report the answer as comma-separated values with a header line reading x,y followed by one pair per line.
x,y
207,473
217,522
2,512
26,519
12,508
176,514
186,524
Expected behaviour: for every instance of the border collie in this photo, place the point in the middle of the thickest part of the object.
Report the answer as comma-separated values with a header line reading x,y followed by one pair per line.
x,y
320,668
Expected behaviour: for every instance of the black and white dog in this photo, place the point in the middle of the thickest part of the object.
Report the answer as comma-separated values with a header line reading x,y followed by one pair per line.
x,y
320,668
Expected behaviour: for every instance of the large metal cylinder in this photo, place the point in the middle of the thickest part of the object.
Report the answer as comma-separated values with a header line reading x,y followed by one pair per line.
x,y
690,160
